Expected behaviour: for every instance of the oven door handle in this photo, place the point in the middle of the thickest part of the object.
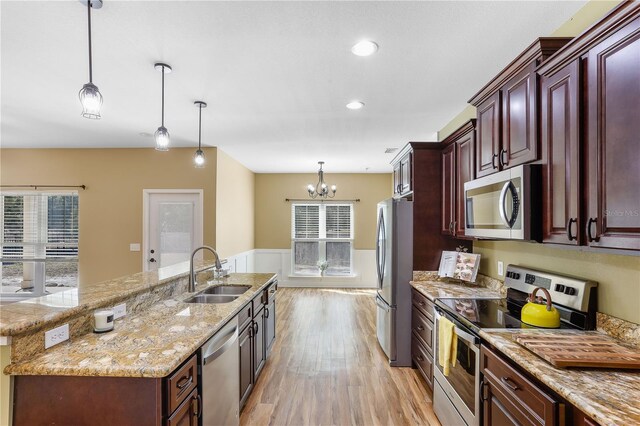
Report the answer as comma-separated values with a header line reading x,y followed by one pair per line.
x,y
468,337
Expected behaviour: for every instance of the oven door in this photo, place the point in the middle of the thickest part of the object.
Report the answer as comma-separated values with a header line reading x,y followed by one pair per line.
x,y
461,387
493,205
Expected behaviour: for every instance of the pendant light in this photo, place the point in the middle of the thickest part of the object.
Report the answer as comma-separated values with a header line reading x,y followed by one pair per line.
x,y
90,96
198,159
321,189
162,134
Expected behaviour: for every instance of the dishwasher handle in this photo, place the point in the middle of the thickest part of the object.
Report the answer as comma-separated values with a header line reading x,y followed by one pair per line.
x,y
214,351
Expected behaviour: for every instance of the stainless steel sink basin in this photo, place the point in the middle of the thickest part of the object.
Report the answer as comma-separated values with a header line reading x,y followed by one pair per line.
x,y
212,298
227,289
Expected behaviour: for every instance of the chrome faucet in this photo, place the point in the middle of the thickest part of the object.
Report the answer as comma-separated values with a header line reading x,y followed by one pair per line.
x,y
192,274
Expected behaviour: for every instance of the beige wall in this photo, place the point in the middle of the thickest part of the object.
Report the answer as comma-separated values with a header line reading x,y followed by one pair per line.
x,y
5,387
273,213
235,192
618,275
111,206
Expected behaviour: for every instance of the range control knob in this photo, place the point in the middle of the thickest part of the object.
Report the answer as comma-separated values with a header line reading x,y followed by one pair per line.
x,y
560,288
570,291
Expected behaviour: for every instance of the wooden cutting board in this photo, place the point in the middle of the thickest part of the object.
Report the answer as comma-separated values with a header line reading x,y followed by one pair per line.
x,y
589,350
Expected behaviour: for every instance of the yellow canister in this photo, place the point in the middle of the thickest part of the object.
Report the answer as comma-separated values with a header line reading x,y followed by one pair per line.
x,y
539,313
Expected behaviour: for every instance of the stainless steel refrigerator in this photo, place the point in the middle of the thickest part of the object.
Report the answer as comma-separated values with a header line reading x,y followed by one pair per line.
x,y
394,263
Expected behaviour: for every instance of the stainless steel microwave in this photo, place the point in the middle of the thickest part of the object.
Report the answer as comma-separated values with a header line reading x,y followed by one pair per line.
x,y
505,205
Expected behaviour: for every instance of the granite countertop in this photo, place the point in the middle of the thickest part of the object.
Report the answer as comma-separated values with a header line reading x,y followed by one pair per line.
x,y
32,314
610,397
434,289
152,343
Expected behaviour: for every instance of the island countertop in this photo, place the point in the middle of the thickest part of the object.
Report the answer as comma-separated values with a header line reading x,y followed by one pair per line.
x,y
151,343
610,397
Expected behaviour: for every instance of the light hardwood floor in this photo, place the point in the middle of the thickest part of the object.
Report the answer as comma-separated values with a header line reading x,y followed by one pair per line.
x,y
326,367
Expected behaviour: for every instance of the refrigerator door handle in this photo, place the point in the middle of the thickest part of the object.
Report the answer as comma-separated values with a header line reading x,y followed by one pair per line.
x,y
381,304
381,251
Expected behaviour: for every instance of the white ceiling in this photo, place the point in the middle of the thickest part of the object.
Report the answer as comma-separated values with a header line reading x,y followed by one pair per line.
x,y
276,75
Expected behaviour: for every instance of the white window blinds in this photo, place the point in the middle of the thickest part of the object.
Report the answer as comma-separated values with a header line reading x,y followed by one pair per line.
x,y
39,225
338,221
306,221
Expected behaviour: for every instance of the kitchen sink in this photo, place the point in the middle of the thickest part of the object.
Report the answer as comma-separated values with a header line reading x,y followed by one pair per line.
x,y
227,289
212,298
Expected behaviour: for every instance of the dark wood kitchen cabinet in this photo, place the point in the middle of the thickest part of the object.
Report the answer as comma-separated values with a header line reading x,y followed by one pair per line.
x,y
510,398
403,173
187,413
259,351
270,319
507,109
613,138
590,104
560,139
448,190
422,335
245,342
457,168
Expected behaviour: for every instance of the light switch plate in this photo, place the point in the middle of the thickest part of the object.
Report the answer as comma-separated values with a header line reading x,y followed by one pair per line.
x,y
56,335
500,268
119,310
134,247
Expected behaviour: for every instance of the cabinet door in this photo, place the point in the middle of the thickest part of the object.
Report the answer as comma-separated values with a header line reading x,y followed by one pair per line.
x,y
259,352
614,152
519,136
560,121
246,364
188,412
397,180
465,172
405,174
270,326
488,137
448,190
494,412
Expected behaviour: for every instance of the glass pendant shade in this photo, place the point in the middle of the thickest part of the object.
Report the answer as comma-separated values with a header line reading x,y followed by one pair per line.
x,y
162,139
198,159
91,101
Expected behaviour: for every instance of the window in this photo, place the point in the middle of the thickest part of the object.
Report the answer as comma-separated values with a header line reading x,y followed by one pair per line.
x,y
322,234
38,242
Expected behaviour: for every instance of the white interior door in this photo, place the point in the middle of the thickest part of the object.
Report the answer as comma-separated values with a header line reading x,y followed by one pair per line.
x,y
173,226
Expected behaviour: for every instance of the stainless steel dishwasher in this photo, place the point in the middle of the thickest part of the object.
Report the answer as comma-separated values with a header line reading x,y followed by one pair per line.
x,y
220,366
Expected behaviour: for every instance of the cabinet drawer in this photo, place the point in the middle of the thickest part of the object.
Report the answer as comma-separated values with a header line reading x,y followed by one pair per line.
x,y
181,383
422,360
422,327
258,303
537,406
421,302
187,413
244,316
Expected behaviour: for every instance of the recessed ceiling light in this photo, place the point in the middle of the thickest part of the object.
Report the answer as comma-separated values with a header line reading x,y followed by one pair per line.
x,y
355,105
364,48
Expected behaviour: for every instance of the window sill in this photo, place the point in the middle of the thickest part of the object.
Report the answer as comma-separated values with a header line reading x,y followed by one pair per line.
x,y
326,276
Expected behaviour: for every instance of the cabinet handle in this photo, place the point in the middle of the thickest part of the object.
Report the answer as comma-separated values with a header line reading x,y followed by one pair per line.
x,y
502,161
152,260
453,228
509,383
266,312
198,410
420,328
255,328
570,236
493,161
419,358
590,222
483,393
184,382
421,303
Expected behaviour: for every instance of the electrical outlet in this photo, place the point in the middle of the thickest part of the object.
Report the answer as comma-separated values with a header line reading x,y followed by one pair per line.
x,y
119,310
134,247
500,268
56,335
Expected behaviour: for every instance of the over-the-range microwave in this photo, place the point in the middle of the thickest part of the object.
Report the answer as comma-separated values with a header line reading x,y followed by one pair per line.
x,y
505,205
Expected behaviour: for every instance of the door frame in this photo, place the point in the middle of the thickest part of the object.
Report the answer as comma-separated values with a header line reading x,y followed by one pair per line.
x,y
145,214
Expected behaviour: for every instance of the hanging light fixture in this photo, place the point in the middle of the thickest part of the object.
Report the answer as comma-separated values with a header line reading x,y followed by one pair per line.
x,y
321,189
90,96
162,134
198,159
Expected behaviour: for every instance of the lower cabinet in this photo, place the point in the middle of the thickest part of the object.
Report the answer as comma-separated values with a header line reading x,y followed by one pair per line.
x,y
256,339
422,335
187,413
510,398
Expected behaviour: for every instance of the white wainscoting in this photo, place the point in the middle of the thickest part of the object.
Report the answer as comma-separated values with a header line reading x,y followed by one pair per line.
x,y
279,262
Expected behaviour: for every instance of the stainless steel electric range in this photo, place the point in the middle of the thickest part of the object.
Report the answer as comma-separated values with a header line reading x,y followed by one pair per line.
x,y
456,397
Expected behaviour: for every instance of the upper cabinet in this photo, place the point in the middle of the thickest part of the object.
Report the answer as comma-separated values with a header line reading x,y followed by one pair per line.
x,y
507,111
403,173
457,168
590,122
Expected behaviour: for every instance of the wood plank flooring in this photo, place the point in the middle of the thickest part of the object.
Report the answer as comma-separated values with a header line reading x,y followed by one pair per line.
x,y
326,367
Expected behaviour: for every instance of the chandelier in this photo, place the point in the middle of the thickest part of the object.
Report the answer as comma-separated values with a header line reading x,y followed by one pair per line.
x,y
321,189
